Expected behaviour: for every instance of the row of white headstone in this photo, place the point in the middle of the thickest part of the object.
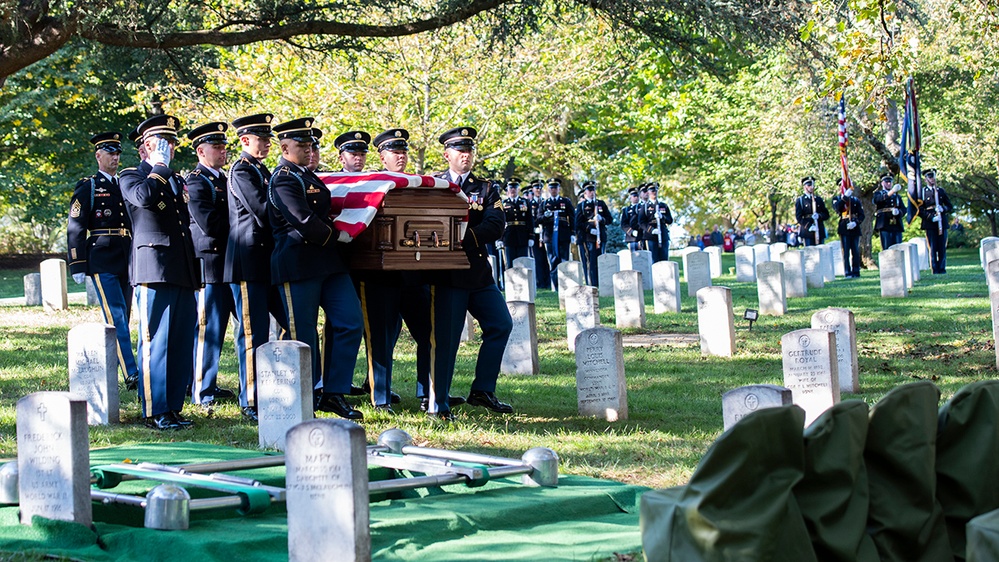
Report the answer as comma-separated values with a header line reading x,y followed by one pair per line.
x,y
48,288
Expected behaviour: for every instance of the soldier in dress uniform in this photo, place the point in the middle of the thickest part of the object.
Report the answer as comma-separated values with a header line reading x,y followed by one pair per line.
x,y
208,205
353,148
811,213
136,138
99,238
469,290
557,218
542,275
519,235
248,252
592,218
890,210
315,158
851,216
307,267
165,275
654,218
934,212
629,222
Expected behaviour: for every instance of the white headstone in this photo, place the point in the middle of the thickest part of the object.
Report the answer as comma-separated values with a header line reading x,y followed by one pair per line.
x,y
770,288
284,390
716,322
570,274
745,264
740,402
761,253
607,266
494,265
582,312
624,259
54,295
982,245
776,249
794,273
828,263
992,275
813,267
839,267
810,370
841,321
33,289
93,370
519,284
600,383
698,272
715,260
53,458
994,301
629,300
685,258
989,251
468,329
525,262
914,262
521,354
923,249
327,492
891,264
92,299
907,262
665,287
641,261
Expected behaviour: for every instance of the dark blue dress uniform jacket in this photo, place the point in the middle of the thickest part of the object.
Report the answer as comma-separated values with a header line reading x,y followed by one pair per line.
x,y
209,208
248,253
99,229
486,222
519,221
856,211
305,242
162,250
584,220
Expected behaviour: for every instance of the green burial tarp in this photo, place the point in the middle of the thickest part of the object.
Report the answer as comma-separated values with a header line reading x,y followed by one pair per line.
x,y
582,519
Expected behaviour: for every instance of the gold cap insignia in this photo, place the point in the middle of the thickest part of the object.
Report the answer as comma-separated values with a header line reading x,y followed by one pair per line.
x,y
268,118
398,133
464,132
170,122
116,137
308,123
221,127
357,136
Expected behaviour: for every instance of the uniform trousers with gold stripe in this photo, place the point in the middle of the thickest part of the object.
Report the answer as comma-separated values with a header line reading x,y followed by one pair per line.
x,y
166,323
252,330
334,293
115,296
215,304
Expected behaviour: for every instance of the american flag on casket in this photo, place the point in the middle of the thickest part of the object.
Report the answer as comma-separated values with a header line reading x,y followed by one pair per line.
x,y
357,196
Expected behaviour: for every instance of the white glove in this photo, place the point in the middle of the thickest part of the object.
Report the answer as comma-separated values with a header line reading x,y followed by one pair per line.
x,y
815,216
851,225
634,233
937,218
599,218
894,211
572,239
548,214
894,189
849,192
813,228
594,231
530,243
939,209
499,244
79,277
160,153
655,231
537,230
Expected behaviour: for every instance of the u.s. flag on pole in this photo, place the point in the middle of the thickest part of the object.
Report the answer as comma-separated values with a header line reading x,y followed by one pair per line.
x,y
842,145
356,197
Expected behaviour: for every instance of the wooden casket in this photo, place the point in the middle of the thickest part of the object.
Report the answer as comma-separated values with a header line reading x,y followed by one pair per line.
x,y
417,228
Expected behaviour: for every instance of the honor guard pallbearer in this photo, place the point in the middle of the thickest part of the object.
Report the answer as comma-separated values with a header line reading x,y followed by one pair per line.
x,y
890,210
851,216
208,205
592,218
629,222
542,276
811,213
165,275
473,290
518,238
934,212
654,219
248,251
99,238
308,270
557,216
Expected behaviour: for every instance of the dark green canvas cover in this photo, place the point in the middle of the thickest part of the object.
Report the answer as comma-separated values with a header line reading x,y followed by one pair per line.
x,y
833,495
983,538
738,505
905,519
968,458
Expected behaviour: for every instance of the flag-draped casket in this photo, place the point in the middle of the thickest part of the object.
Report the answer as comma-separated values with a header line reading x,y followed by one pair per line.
x,y
399,221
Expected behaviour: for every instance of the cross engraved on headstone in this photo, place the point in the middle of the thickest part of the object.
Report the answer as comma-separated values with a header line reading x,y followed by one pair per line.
x,y
41,412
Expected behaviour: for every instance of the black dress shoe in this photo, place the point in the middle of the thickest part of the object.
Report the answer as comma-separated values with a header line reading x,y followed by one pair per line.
x,y
181,420
220,394
488,400
385,409
337,404
445,417
393,397
358,391
132,381
452,401
161,422
250,413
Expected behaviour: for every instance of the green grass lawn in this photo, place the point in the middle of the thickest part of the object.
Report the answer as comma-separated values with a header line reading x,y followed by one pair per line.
x,y
942,332
12,282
